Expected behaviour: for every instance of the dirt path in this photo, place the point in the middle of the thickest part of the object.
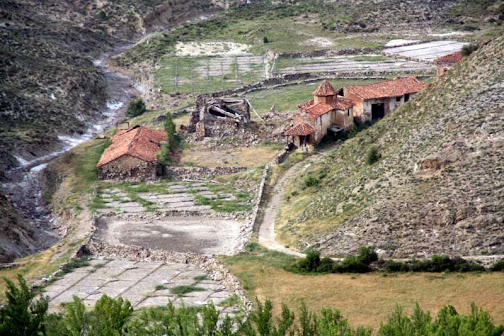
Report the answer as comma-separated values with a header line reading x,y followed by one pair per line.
x,y
266,234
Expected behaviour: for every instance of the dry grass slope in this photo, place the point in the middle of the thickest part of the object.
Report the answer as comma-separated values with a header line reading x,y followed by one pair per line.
x,y
394,203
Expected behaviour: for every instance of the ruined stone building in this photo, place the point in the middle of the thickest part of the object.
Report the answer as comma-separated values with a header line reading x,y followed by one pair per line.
x,y
374,101
132,155
445,62
219,117
315,118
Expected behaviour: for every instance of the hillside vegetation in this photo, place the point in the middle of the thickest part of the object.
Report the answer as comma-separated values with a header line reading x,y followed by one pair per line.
x,y
437,186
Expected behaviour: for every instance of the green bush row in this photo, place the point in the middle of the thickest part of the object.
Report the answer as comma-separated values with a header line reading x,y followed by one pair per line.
x,y
366,257
22,315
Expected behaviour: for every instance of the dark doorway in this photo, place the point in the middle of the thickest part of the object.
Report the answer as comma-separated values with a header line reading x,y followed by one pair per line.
x,y
406,97
377,111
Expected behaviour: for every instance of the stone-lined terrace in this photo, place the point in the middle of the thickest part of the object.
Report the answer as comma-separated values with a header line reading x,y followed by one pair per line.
x,y
142,283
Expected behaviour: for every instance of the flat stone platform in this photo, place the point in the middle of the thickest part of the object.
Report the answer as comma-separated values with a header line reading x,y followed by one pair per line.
x,y
205,235
142,283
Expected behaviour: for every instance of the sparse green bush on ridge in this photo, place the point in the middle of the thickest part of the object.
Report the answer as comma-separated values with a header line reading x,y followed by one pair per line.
x,y
373,155
135,108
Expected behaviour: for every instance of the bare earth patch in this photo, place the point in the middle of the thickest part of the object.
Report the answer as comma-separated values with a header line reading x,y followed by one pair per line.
x,y
181,234
211,48
321,42
236,157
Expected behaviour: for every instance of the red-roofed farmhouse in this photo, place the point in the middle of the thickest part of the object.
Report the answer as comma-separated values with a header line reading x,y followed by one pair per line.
x,y
315,117
374,101
445,62
132,155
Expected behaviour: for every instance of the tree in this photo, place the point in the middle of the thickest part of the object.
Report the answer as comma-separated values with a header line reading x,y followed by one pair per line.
x,y
135,108
469,49
171,143
22,315
171,131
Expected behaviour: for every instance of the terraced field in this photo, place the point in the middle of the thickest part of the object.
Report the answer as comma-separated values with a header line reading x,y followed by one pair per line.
x,y
208,74
426,51
142,283
355,64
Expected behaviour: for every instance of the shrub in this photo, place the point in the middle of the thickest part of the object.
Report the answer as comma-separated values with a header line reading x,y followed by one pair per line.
x,y
498,266
373,155
435,264
469,49
102,16
351,264
265,39
310,263
448,322
367,255
135,108
22,315
311,181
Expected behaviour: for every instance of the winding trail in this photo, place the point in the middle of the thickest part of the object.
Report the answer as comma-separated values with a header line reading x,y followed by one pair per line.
x,y
266,234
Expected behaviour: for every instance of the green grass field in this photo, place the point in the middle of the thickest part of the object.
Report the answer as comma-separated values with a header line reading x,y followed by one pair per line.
x,y
207,74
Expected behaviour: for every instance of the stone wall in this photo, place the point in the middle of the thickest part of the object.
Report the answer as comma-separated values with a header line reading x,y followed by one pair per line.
x,y
129,168
200,173
328,52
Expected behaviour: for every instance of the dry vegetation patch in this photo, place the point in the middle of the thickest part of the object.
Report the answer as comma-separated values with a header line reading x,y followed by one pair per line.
x,y
365,299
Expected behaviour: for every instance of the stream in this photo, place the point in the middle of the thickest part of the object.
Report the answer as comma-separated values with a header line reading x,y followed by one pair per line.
x,y
23,186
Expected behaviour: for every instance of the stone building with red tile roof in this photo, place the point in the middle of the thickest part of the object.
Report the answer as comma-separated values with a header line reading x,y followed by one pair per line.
x,y
132,155
316,116
374,101
443,63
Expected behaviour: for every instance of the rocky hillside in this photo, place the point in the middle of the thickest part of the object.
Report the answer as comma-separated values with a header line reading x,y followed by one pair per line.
x,y
49,84
438,186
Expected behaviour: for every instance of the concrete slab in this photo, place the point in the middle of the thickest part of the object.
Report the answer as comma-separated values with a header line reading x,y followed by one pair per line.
x,y
181,234
154,301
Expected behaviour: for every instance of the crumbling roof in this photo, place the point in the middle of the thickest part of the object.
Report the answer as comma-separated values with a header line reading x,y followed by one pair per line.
x,y
325,89
140,142
315,110
450,58
392,88
303,128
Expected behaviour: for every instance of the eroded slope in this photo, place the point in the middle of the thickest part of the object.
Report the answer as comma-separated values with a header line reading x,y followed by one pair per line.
x,y
438,187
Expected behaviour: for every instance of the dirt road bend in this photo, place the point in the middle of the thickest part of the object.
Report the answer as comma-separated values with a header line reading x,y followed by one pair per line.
x,y
266,234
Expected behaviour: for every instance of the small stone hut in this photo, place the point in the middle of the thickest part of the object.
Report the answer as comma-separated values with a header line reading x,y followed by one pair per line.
x,y
445,62
374,101
132,155
316,117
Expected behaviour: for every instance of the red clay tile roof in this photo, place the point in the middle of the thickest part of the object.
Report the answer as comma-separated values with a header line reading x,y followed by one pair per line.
x,y
301,129
306,104
316,110
140,142
393,88
450,58
325,89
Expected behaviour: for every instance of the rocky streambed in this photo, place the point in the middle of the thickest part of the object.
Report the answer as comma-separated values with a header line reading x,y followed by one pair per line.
x,y
22,185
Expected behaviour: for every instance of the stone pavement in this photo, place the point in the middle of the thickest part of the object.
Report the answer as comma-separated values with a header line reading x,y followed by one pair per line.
x,y
177,197
142,283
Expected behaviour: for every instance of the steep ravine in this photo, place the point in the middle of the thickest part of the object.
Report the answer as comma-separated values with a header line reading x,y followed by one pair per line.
x,y
54,97
36,229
